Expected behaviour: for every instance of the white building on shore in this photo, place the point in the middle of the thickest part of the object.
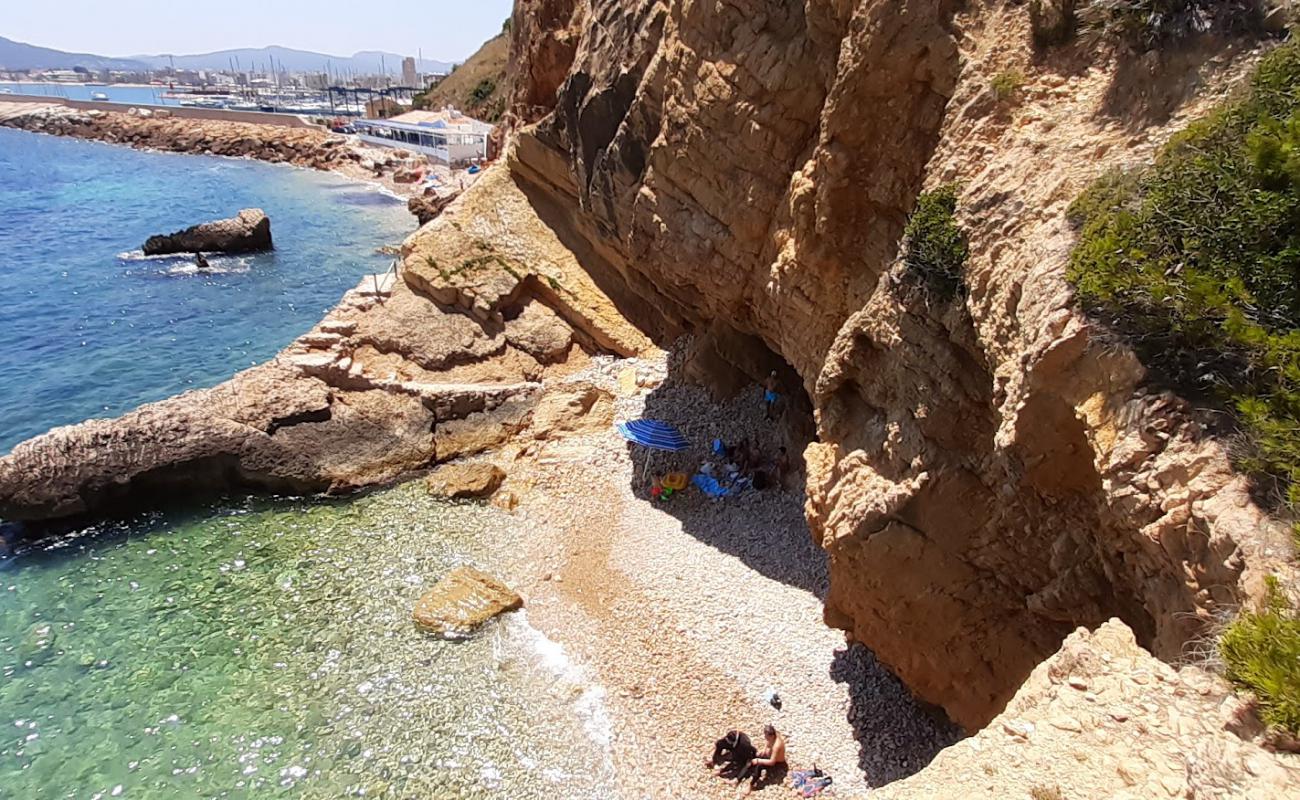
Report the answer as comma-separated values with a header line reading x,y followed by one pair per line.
x,y
447,136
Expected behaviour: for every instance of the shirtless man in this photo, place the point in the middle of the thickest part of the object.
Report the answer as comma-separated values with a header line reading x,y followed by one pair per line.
x,y
770,394
782,465
769,766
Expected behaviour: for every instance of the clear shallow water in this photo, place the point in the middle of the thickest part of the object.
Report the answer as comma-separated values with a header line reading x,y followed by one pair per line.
x,y
254,648
265,649
89,330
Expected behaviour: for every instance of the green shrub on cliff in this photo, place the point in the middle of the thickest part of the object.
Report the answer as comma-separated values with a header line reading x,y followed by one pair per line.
x,y
935,248
1007,85
1148,24
1196,259
1261,653
1141,24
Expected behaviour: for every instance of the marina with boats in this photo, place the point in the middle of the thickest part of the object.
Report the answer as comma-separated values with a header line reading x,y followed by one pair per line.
x,y
333,101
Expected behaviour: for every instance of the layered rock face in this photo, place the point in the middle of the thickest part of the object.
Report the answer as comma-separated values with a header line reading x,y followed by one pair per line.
x,y
1102,718
248,231
987,477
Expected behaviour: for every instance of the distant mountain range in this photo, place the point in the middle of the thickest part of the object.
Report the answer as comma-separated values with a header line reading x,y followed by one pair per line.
x,y
17,55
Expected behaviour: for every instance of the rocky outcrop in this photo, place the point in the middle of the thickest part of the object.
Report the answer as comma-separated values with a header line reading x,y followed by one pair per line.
x,y
1102,718
404,373
986,476
429,205
247,232
463,600
468,480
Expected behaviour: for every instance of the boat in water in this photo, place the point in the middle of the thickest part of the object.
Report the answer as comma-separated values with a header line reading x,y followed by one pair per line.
x,y
98,96
204,102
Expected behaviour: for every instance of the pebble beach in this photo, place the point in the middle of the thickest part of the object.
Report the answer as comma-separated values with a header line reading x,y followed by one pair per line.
x,y
692,611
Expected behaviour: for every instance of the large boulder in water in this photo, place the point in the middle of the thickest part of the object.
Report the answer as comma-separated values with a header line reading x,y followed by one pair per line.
x,y
463,600
247,232
457,481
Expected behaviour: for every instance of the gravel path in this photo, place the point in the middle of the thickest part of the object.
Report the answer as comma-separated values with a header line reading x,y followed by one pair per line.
x,y
688,611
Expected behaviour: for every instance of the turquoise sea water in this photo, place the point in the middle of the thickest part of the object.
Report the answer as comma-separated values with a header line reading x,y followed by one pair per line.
x,y
88,328
265,649
254,647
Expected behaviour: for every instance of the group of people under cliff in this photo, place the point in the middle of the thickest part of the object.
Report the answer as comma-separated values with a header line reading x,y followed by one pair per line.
x,y
736,467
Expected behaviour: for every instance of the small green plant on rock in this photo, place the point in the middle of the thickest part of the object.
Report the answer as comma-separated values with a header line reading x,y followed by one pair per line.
x,y
1006,85
483,91
936,248
1261,653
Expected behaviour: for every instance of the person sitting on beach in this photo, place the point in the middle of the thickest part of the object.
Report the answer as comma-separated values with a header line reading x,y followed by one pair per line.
x,y
768,768
770,396
732,755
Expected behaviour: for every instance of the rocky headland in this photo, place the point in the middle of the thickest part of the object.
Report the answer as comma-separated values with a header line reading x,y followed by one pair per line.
x,y
987,474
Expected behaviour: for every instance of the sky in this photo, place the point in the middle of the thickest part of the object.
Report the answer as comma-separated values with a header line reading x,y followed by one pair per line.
x,y
448,30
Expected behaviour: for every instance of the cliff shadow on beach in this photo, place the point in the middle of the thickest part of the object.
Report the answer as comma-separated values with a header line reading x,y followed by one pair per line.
x,y
896,735
764,528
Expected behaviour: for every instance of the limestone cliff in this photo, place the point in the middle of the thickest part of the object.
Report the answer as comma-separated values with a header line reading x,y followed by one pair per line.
x,y
986,476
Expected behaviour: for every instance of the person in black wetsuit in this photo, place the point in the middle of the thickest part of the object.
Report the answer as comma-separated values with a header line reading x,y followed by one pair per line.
x,y
732,754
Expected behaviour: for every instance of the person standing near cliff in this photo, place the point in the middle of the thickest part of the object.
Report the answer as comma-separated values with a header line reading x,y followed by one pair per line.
x,y
770,395
782,466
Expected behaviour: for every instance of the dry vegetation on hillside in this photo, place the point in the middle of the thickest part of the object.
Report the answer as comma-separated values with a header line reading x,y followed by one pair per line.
x,y
477,86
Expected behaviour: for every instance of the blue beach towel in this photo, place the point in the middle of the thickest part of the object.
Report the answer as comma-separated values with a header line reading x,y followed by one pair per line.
x,y
710,486
810,782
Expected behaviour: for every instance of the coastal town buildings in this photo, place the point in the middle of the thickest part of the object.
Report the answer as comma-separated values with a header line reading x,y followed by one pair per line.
x,y
447,135
409,76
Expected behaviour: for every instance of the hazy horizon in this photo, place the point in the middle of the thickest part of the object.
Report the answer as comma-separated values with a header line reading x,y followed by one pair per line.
x,y
442,29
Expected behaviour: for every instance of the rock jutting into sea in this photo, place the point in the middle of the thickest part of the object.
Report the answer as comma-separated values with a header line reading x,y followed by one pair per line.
x,y
429,205
247,232
445,360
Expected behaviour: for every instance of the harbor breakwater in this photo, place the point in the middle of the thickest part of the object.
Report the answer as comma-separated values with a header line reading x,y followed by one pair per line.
x,y
167,130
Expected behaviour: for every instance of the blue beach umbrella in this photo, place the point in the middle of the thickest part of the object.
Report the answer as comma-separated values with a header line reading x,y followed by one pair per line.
x,y
653,434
